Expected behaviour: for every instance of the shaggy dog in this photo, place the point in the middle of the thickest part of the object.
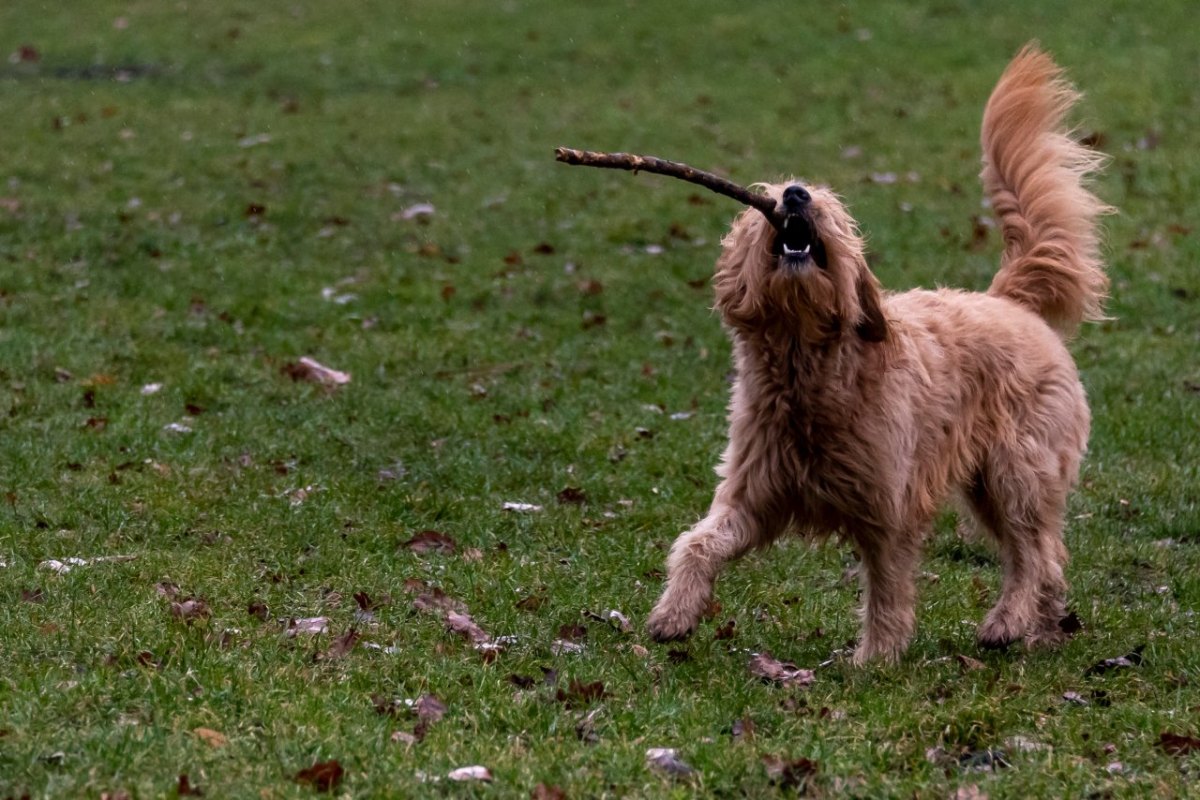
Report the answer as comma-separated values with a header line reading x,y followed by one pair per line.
x,y
858,413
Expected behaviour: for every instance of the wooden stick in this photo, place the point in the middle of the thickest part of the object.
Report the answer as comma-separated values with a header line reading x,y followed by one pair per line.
x,y
674,169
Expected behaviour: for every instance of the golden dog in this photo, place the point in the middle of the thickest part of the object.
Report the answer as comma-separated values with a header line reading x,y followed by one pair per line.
x,y
859,413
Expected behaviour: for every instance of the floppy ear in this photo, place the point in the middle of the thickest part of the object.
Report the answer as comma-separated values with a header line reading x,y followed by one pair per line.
x,y
871,326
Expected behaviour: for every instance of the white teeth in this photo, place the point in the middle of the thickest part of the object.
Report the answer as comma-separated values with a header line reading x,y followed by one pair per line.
x,y
787,251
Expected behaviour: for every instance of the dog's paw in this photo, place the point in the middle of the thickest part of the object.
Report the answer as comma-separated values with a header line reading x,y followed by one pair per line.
x,y
869,651
997,633
668,625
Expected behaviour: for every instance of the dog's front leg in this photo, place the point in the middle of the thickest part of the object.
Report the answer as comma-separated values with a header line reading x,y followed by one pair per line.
x,y
697,556
888,572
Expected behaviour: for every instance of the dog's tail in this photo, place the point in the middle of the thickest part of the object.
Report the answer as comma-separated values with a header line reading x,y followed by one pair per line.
x,y
1036,177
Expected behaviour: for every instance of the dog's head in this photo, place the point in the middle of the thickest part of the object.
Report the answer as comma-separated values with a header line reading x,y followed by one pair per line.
x,y
810,275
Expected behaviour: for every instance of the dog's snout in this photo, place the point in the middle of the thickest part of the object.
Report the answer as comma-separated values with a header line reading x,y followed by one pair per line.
x,y
796,197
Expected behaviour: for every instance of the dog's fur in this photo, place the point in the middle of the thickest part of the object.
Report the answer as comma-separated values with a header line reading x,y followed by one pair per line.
x,y
860,413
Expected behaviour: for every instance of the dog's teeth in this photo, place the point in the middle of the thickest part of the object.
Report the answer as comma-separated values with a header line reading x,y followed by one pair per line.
x,y
807,247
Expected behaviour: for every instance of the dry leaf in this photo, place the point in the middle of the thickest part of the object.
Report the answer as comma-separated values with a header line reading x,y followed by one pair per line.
x,y
572,495
323,776
475,773
190,610
544,792
969,664
521,507
764,666
308,626
185,789
1174,744
790,773
429,708
211,737
1131,659
462,623
308,369
341,645
581,694
430,541
65,566
437,600
667,759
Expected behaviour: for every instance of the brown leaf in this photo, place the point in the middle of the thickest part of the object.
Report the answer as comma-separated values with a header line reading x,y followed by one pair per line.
x,y
531,603
521,681
254,210
190,610
96,423
429,709
323,776
784,673
34,595
544,792
462,623
513,259
430,541
185,789
790,773
742,728
581,694
969,664
1174,744
544,249
572,495
210,737
727,630
969,792
341,646
437,600
590,287
572,632
1131,659
1070,624
258,609
307,625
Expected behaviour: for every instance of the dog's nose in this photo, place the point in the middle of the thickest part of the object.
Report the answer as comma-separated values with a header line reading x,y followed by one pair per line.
x,y
795,197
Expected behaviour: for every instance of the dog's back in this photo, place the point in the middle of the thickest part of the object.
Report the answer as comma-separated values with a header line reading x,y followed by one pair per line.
x,y
1035,176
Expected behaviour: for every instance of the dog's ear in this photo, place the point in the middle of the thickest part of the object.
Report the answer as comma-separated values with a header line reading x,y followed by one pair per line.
x,y
871,326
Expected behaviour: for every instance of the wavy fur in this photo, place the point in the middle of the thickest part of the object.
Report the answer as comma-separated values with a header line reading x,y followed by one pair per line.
x,y
1036,176
860,413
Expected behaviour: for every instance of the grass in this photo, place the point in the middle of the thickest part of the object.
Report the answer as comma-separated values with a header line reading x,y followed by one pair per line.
x,y
510,346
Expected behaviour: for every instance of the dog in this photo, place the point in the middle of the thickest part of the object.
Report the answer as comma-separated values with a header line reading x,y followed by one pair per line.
x,y
859,413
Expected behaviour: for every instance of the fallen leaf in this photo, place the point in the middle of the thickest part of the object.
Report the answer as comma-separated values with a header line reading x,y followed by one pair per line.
x,y
572,495
544,792
726,631
309,626
419,210
620,620
1131,659
970,792
1070,624
463,624
1174,744
572,632
742,729
308,369
1074,698
989,759
34,595
521,507
429,708
431,541
323,776
764,666
437,600
65,566
185,789
190,610
531,603
790,773
581,694
210,737
475,773
259,610
667,760
405,737
969,664
585,729
341,646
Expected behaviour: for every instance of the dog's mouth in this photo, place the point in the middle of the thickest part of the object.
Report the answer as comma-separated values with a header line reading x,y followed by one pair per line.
x,y
797,243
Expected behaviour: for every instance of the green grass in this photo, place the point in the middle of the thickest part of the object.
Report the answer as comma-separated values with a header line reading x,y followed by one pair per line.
x,y
131,153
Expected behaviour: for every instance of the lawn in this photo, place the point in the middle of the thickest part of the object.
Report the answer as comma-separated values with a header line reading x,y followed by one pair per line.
x,y
196,195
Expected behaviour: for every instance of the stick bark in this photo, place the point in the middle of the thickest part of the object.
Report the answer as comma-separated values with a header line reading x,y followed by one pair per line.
x,y
673,169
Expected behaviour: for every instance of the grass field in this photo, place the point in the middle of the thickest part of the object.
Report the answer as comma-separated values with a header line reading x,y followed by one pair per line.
x,y
193,196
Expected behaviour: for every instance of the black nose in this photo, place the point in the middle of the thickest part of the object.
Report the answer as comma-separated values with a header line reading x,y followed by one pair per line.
x,y
795,197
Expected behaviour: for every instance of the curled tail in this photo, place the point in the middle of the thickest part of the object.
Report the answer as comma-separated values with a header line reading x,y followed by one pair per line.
x,y
1036,177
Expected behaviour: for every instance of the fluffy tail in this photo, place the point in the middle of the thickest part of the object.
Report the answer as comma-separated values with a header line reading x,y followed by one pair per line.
x,y
1036,177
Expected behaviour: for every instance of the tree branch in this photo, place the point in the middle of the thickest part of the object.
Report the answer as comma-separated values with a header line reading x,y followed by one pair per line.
x,y
673,169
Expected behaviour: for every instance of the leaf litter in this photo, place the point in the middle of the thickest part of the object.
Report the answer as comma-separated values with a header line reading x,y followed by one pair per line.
x,y
66,565
784,673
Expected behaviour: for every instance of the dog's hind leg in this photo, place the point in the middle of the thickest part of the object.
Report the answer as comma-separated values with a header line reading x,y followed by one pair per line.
x,y
1021,498
889,562
697,556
